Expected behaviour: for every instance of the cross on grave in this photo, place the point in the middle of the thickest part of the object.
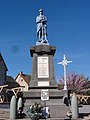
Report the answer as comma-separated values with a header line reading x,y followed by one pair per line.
x,y
64,62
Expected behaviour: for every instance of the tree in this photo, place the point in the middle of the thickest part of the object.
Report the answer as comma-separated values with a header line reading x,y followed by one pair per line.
x,y
77,83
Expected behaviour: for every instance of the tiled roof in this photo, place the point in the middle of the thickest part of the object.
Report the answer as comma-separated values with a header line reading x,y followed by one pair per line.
x,y
1,59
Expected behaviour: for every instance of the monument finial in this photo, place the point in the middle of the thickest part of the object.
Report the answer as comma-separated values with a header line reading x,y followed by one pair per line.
x,y
41,21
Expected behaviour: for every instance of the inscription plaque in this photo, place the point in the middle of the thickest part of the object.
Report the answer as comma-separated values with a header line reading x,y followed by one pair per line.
x,y
43,68
44,94
43,83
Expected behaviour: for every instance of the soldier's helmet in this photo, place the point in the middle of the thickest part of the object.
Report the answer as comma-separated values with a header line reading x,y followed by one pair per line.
x,y
41,10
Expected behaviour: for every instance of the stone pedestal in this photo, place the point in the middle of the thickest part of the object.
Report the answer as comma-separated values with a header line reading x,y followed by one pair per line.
x,y
43,77
42,52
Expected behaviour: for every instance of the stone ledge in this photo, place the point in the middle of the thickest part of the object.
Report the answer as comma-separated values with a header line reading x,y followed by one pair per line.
x,y
41,49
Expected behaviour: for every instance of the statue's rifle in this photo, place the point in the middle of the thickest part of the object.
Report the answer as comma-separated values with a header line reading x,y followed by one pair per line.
x,y
42,30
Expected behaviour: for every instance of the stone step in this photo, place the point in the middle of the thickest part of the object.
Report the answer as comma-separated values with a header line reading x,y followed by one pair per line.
x,y
4,114
86,117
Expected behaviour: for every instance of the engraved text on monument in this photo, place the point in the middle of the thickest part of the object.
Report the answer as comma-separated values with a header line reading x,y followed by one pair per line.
x,y
42,65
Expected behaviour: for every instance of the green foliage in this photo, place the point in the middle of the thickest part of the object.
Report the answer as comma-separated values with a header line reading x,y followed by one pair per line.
x,y
87,92
60,86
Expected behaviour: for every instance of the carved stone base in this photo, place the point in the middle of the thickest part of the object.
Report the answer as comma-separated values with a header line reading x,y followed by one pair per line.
x,y
55,103
42,51
56,97
42,42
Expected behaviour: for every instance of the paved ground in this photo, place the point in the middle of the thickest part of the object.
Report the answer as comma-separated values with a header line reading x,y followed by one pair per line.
x,y
5,113
84,109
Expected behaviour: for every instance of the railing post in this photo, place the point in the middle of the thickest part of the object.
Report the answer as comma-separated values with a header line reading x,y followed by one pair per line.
x,y
20,103
13,108
74,106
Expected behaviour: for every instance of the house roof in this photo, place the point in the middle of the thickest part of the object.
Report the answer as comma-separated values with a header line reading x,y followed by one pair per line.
x,y
10,79
1,59
26,77
11,82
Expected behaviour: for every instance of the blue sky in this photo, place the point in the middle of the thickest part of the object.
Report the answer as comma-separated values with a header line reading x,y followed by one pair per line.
x,y
68,30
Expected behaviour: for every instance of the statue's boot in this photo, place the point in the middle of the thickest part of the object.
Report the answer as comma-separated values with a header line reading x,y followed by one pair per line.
x,y
45,41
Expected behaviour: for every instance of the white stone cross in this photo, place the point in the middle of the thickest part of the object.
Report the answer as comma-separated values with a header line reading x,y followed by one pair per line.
x,y
64,62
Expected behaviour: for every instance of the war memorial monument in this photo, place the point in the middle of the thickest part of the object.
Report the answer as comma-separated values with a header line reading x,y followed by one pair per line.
x,y
43,87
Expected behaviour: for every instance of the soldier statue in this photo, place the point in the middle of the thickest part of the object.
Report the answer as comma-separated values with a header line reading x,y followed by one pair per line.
x,y
41,21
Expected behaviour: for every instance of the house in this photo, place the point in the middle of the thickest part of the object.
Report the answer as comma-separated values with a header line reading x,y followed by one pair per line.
x,y
23,80
3,70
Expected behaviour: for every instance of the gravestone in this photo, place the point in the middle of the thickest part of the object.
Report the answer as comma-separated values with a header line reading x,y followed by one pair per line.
x,y
43,74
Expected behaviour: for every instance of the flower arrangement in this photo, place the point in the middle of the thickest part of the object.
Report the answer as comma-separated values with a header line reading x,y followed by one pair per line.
x,y
35,111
